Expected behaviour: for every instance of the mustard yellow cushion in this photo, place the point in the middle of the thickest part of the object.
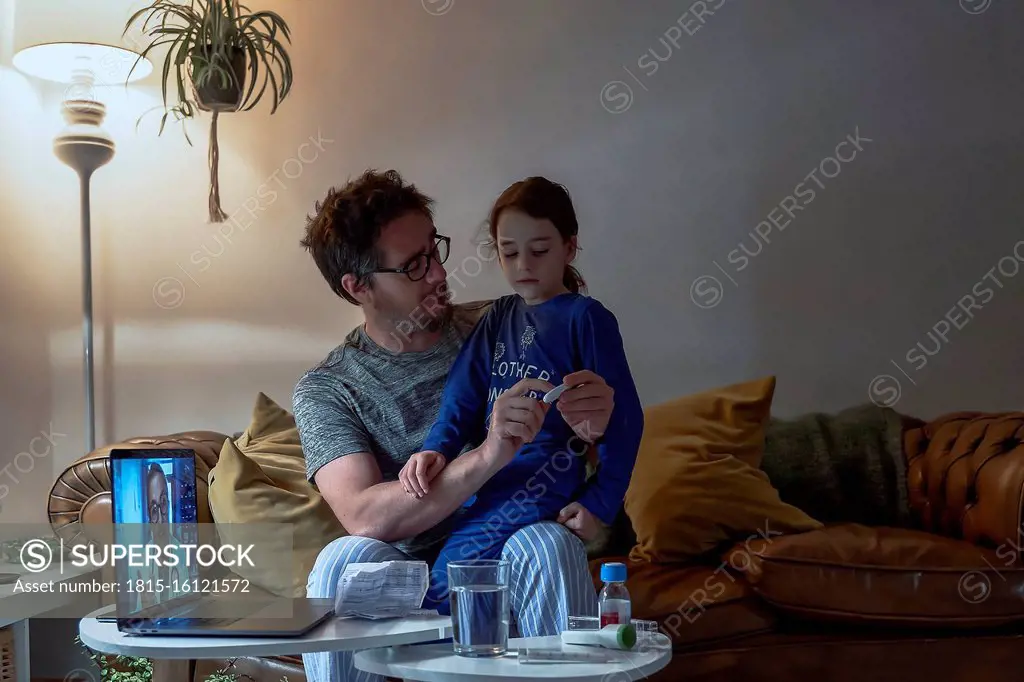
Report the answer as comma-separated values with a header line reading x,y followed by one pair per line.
x,y
261,479
696,482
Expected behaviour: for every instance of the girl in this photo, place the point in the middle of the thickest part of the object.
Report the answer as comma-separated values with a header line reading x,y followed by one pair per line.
x,y
546,330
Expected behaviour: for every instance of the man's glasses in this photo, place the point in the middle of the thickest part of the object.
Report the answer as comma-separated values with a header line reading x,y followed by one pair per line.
x,y
158,509
417,267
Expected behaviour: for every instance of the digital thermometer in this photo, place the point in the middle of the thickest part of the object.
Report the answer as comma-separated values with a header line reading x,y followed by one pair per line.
x,y
552,395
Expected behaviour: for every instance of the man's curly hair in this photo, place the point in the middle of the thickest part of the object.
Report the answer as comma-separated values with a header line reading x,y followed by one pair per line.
x,y
342,234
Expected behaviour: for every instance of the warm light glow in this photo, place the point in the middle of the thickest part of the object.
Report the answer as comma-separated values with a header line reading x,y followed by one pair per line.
x,y
192,341
63,62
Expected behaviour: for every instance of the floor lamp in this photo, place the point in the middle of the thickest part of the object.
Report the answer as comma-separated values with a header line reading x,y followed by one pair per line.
x,y
84,146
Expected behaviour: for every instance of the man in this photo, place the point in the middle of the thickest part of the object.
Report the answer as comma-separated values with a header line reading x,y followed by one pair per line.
x,y
158,507
366,409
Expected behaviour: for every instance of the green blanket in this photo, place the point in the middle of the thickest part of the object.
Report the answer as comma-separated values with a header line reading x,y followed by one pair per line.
x,y
842,467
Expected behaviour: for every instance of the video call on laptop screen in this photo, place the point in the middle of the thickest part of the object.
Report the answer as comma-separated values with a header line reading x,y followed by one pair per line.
x,y
154,502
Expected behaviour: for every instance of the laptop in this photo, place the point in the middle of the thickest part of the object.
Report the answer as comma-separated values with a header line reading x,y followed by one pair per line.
x,y
153,500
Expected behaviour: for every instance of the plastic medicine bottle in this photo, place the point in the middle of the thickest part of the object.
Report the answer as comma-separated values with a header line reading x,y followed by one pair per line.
x,y
613,604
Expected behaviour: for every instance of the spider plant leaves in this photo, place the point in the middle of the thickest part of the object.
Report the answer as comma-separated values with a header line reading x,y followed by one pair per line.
x,y
264,43
253,68
225,53
203,37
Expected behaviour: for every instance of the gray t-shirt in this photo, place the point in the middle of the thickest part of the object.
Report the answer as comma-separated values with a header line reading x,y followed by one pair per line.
x,y
364,397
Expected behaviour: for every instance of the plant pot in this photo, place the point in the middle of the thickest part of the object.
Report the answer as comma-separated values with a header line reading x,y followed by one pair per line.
x,y
214,95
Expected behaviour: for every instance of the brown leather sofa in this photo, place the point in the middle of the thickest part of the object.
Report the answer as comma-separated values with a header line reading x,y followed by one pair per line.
x,y
941,601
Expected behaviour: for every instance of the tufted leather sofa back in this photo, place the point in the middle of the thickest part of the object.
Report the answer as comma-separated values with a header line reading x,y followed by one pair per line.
x,y
965,477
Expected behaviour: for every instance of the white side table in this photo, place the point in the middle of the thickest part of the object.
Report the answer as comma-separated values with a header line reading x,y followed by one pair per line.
x,y
171,654
438,663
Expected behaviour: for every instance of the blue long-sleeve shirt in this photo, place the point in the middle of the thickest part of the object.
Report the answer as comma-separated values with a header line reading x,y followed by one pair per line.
x,y
546,341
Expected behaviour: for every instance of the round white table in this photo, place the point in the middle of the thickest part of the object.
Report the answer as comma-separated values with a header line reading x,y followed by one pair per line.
x,y
438,663
170,654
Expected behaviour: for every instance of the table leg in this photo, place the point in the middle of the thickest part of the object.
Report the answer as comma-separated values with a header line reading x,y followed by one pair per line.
x,y
174,670
22,651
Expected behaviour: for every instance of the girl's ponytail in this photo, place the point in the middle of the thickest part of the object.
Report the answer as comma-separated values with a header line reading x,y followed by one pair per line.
x,y
573,280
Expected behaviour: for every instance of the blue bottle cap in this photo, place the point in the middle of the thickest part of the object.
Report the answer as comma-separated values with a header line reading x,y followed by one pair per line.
x,y
613,572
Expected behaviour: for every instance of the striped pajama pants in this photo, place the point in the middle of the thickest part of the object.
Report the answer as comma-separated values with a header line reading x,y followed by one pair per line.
x,y
549,582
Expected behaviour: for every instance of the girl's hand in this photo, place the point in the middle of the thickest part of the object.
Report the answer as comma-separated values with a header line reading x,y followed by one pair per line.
x,y
421,468
587,409
584,525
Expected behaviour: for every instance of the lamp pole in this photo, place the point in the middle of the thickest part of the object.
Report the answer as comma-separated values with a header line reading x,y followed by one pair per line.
x,y
84,146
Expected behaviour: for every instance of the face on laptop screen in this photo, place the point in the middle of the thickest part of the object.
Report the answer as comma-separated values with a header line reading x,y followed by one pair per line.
x,y
154,503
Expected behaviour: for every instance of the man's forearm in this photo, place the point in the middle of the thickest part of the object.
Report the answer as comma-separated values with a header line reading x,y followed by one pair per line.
x,y
388,513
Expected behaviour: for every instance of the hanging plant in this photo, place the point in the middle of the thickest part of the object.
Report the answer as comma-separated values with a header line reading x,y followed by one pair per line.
x,y
221,58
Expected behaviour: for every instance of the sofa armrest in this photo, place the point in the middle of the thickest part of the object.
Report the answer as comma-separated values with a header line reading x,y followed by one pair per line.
x,y
965,476
267,669
81,493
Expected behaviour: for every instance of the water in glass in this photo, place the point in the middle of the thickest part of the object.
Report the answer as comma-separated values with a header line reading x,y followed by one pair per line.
x,y
480,607
480,620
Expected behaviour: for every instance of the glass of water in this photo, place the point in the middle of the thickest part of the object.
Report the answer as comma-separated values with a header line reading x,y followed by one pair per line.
x,y
478,590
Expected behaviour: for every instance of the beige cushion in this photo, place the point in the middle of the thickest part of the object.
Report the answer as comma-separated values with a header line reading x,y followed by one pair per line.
x,y
696,484
261,479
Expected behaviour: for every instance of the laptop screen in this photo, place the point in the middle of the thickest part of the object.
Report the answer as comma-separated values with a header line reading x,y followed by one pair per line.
x,y
154,503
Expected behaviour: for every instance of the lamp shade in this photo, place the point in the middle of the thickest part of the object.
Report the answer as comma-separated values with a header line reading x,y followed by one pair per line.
x,y
58,39
60,62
